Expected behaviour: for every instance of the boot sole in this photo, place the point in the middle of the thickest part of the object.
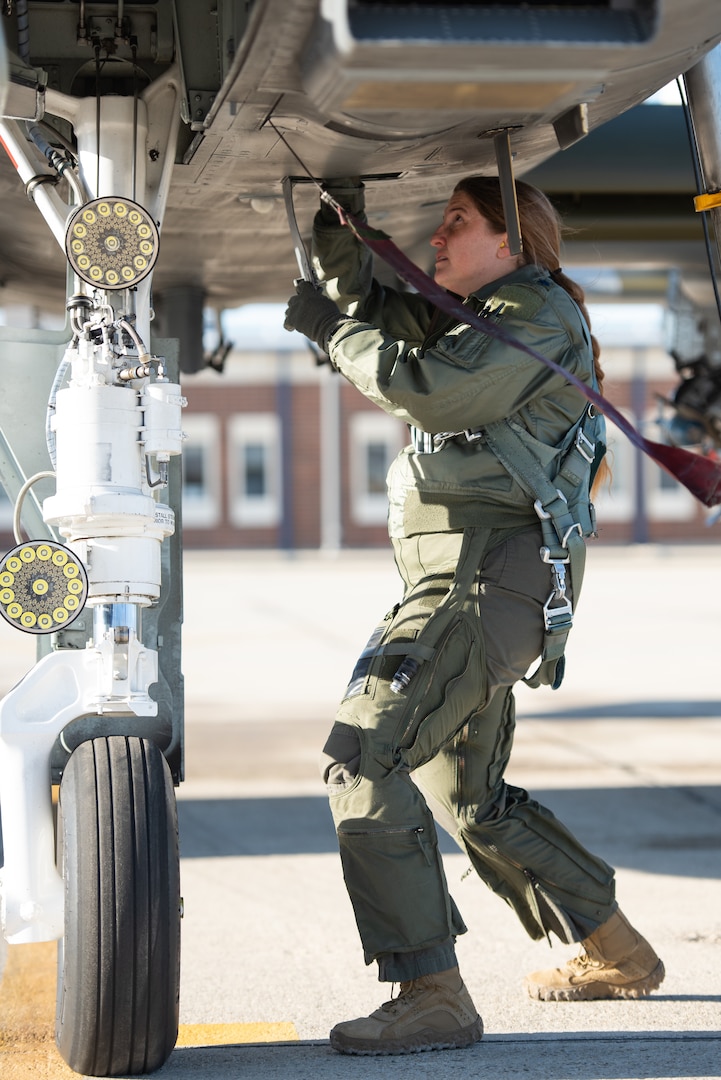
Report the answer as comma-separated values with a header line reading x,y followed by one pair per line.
x,y
415,1044
599,991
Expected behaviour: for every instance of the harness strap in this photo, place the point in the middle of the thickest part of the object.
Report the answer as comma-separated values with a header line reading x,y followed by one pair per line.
x,y
475,542
563,548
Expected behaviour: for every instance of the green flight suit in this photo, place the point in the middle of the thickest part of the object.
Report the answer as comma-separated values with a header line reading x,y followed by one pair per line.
x,y
466,540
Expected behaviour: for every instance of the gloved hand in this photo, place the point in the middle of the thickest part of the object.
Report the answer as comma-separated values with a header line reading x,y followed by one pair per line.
x,y
349,192
313,314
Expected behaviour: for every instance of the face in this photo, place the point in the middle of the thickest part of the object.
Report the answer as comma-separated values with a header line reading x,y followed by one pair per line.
x,y
469,254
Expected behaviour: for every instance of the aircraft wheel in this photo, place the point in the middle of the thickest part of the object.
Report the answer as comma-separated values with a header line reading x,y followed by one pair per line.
x,y
119,961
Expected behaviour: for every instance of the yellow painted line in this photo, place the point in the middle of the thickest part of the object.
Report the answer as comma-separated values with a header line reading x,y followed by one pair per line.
x,y
230,1034
27,1020
27,1015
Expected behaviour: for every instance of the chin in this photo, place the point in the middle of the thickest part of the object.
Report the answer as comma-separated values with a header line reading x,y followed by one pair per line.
x,y
442,280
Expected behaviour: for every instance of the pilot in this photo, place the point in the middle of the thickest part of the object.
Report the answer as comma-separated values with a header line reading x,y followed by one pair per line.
x,y
426,724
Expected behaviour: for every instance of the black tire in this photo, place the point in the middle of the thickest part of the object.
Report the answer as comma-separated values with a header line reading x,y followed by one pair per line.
x,y
119,962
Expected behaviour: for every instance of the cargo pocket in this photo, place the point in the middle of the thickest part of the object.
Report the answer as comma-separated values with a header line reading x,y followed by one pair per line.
x,y
397,887
444,693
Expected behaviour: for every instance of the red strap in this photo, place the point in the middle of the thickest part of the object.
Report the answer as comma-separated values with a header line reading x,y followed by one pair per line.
x,y
700,474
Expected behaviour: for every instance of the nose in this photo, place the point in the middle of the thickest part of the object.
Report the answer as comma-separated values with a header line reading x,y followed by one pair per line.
x,y
438,238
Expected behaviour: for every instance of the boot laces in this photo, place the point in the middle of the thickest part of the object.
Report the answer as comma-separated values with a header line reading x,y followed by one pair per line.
x,y
407,993
583,962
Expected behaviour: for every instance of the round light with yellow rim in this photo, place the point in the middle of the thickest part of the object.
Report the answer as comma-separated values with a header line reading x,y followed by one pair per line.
x,y
43,587
112,243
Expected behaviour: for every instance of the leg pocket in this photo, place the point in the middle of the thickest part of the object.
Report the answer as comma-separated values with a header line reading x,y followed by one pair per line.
x,y
397,887
444,694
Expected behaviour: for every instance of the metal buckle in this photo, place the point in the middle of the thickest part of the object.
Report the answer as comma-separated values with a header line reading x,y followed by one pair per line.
x,y
571,529
441,438
540,509
548,557
559,617
583,441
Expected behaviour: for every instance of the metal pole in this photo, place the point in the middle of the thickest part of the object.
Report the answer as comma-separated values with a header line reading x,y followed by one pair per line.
x,y
703,90
331,531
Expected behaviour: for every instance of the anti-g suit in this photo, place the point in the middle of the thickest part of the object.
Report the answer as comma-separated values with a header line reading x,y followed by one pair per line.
x,y
470,624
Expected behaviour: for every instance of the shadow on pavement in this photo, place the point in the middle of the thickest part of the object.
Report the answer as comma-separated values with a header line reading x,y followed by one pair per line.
x,y
636,710
582,1056
657,830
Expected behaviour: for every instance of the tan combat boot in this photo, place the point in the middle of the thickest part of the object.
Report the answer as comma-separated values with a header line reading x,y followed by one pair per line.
x,y
434,1012
616,962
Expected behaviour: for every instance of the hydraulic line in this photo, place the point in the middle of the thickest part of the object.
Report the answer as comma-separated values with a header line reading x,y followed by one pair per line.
x,y
17,513
21,7
61,166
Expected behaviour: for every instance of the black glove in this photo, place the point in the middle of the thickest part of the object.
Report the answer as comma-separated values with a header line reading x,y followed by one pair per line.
x,y
349,192
313,314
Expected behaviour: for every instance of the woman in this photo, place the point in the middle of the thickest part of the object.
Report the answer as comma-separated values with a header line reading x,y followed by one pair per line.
x,y
428,715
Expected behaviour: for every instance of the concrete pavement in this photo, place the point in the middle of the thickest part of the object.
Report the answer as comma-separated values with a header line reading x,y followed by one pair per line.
x,y
628,753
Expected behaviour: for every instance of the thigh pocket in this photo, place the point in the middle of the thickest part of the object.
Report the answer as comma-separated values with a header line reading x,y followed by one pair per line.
x,y
397,887
443,694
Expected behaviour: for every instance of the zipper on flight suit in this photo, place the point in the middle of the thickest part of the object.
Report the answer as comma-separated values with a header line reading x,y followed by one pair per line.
x,y
538,889
416,830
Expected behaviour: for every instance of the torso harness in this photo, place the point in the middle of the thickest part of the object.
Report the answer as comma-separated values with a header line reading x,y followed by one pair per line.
x,y
564,508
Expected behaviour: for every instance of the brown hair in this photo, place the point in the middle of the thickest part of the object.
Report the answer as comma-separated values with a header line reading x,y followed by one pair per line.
x,y
541,229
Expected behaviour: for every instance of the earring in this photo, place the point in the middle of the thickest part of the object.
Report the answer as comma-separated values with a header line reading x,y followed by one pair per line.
x,y
502,244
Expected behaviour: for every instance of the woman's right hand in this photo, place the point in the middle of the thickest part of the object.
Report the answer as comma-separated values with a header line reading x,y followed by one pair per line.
x,y
348,192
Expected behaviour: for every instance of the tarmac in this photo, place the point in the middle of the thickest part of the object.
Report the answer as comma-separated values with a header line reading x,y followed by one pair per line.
x,y
627,753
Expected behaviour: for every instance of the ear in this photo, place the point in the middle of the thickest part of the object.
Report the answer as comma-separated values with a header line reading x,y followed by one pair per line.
x,y
503,251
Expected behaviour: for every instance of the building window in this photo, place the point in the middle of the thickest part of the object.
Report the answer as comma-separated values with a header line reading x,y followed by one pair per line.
x,y
375,439
255,470
201,472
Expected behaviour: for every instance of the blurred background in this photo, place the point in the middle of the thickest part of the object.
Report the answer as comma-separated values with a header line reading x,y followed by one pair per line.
x,y
283,454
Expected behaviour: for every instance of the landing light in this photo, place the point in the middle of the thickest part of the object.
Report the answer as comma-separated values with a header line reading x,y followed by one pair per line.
x,y
112,243
43,587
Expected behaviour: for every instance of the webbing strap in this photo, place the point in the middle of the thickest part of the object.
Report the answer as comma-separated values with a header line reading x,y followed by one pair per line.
x,y
475,542
563,542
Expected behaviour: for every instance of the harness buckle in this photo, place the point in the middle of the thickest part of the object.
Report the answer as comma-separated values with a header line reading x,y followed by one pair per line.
x,y
558,610
540,509
559,617
571,529
548,557
585,447
441,438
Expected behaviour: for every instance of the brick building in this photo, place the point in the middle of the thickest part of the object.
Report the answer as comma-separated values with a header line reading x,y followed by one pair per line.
x,y
282,453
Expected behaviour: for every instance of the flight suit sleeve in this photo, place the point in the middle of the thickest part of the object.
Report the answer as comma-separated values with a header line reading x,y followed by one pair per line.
x,y
344,266
466,380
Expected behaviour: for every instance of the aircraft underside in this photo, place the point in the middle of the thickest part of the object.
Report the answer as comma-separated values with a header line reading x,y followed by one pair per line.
x,y
150,152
